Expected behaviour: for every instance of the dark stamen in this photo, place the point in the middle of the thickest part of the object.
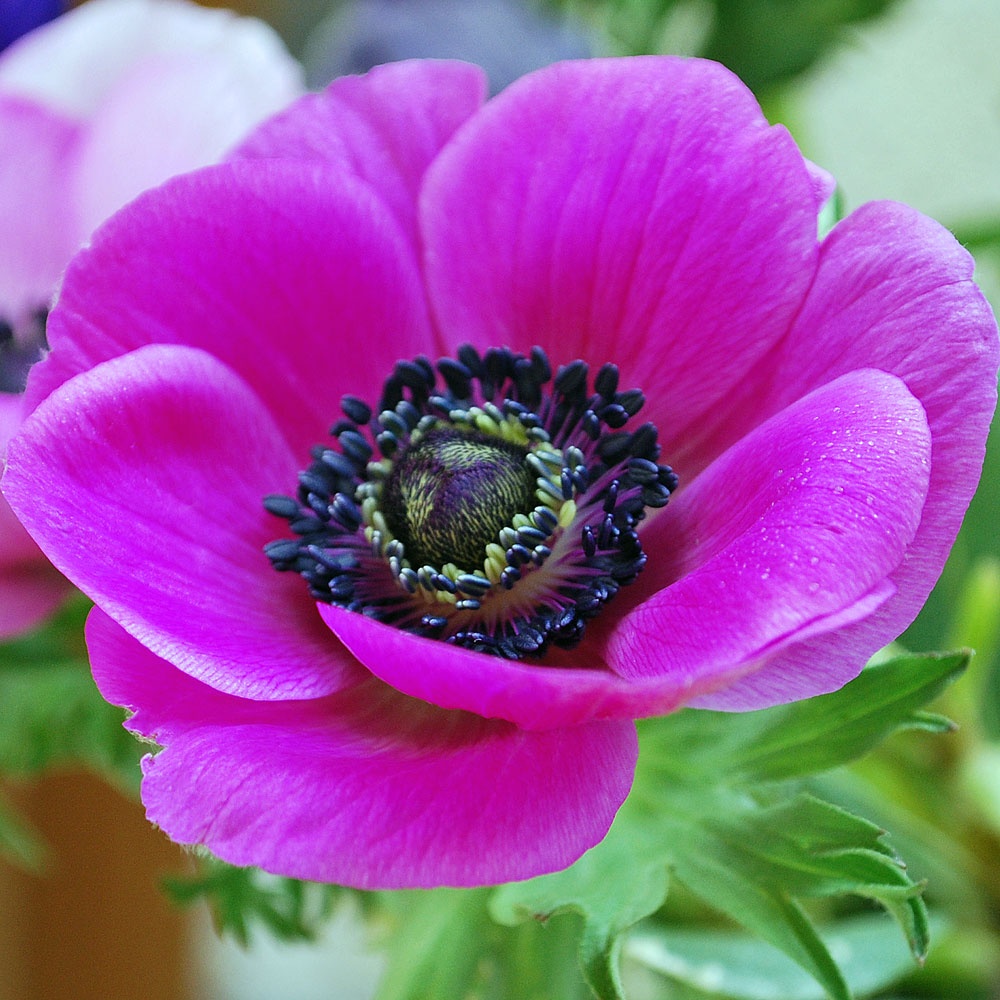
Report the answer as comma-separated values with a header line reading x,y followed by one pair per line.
x,y
475,475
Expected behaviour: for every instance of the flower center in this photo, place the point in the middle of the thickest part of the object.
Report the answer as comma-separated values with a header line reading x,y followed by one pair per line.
x,y
497,511
21,345
452,491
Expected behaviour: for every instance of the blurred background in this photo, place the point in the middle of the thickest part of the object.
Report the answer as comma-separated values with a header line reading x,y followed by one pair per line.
x,y
898,99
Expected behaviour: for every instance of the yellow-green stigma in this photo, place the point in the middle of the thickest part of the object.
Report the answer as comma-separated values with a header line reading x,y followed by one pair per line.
x,y
452,491
498,513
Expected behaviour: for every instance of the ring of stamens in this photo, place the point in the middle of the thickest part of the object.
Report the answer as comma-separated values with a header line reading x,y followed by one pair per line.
x,y
546,569
516,547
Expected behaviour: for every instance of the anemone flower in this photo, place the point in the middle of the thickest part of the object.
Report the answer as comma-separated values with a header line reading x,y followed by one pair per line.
x,y
409,650
96,106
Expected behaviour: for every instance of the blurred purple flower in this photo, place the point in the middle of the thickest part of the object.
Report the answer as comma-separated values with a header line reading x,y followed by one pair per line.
x,y
107,100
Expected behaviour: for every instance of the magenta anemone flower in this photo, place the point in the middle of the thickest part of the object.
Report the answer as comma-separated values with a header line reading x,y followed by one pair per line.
x,y
362,444
96,106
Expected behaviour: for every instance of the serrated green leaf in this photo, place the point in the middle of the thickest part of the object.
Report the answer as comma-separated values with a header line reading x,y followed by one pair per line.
x,y
53,713
806,737
711,804
728,851
242,898
813,848
607,888
437,948
444,944
812,736
719,875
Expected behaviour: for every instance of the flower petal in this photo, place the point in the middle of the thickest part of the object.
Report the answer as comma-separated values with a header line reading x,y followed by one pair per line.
x,y
281,270
383,128
636,211
794,531
142,480
824,183
30,587
16,545
532,696
39,224
894,291
365,788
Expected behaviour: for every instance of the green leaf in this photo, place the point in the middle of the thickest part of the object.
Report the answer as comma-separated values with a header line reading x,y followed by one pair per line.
x,y
812,736
443,943
729,851
607,888
868,950
725,879
241,898
714,802
753,861
766,42
53,713
808,847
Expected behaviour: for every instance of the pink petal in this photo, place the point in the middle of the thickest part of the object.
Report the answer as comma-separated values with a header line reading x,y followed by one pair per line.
x,y
894,291
795,531
16,545
532,696
365,788
142,480
384,127
30,587
74,62
281,270
823,182
637,211
17,548
39,224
